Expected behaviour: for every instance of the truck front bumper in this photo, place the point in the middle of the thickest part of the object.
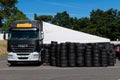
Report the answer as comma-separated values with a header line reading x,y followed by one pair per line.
x,y
23,56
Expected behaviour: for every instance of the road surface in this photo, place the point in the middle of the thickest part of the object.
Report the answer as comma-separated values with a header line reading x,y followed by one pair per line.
x,y
57,73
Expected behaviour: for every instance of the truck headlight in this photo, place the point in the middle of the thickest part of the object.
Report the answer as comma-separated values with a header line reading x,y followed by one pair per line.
x,y
10,56
36,56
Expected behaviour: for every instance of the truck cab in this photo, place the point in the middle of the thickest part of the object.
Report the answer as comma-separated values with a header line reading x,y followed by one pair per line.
x,y
25,41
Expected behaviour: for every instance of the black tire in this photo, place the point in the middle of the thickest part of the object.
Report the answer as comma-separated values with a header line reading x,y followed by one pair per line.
x,y
96,65
63,62
46,56
63,65
13,64
88,63
80,61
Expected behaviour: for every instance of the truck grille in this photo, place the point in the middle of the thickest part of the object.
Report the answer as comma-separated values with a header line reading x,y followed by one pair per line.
x,y
30,48
22,57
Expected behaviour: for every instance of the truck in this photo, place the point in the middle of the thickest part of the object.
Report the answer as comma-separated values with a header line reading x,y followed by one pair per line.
x,y
25,41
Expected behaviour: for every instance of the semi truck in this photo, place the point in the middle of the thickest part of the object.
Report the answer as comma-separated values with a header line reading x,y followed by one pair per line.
x,y
25,41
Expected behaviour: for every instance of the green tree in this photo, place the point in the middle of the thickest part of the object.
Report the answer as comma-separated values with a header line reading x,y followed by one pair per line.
x,y
18,16
9,12
105,23
35,16
97,19
84,24
73,23
62,19
46,18
7,8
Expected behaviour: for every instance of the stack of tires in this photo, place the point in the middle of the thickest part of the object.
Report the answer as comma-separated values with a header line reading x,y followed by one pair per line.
x,y
45,55
71,54
96,56
53,56
104,57
111,56
88,55
107,55
80,50
63,59
58,56
79,55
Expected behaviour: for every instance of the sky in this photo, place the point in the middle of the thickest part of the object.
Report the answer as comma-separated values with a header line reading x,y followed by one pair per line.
x,y
75,8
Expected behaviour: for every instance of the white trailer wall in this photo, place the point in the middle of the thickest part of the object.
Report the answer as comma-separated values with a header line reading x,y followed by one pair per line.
x,y
60,34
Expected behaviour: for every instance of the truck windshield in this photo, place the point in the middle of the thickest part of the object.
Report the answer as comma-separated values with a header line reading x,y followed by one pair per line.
x,y
23,35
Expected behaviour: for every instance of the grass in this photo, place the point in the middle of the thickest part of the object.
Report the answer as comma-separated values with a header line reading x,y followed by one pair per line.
x,y
3,48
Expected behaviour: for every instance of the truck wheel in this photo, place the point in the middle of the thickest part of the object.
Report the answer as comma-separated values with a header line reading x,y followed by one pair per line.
x,y
13,64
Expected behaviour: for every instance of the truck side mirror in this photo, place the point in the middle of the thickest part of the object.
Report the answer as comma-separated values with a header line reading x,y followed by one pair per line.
x,y
42,35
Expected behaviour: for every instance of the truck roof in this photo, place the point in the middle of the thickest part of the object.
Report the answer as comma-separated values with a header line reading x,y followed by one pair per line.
x,y
30,23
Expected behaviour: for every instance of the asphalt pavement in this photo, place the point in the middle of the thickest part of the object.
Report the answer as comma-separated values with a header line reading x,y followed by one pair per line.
x,y
57,73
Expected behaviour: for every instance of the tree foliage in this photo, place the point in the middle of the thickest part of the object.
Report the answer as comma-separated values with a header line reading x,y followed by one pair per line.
x,y
9,12
7,8
18,16
101,23
46,18
105,23
62,19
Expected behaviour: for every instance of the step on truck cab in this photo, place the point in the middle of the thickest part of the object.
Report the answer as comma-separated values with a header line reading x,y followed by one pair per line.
x,y
25,40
